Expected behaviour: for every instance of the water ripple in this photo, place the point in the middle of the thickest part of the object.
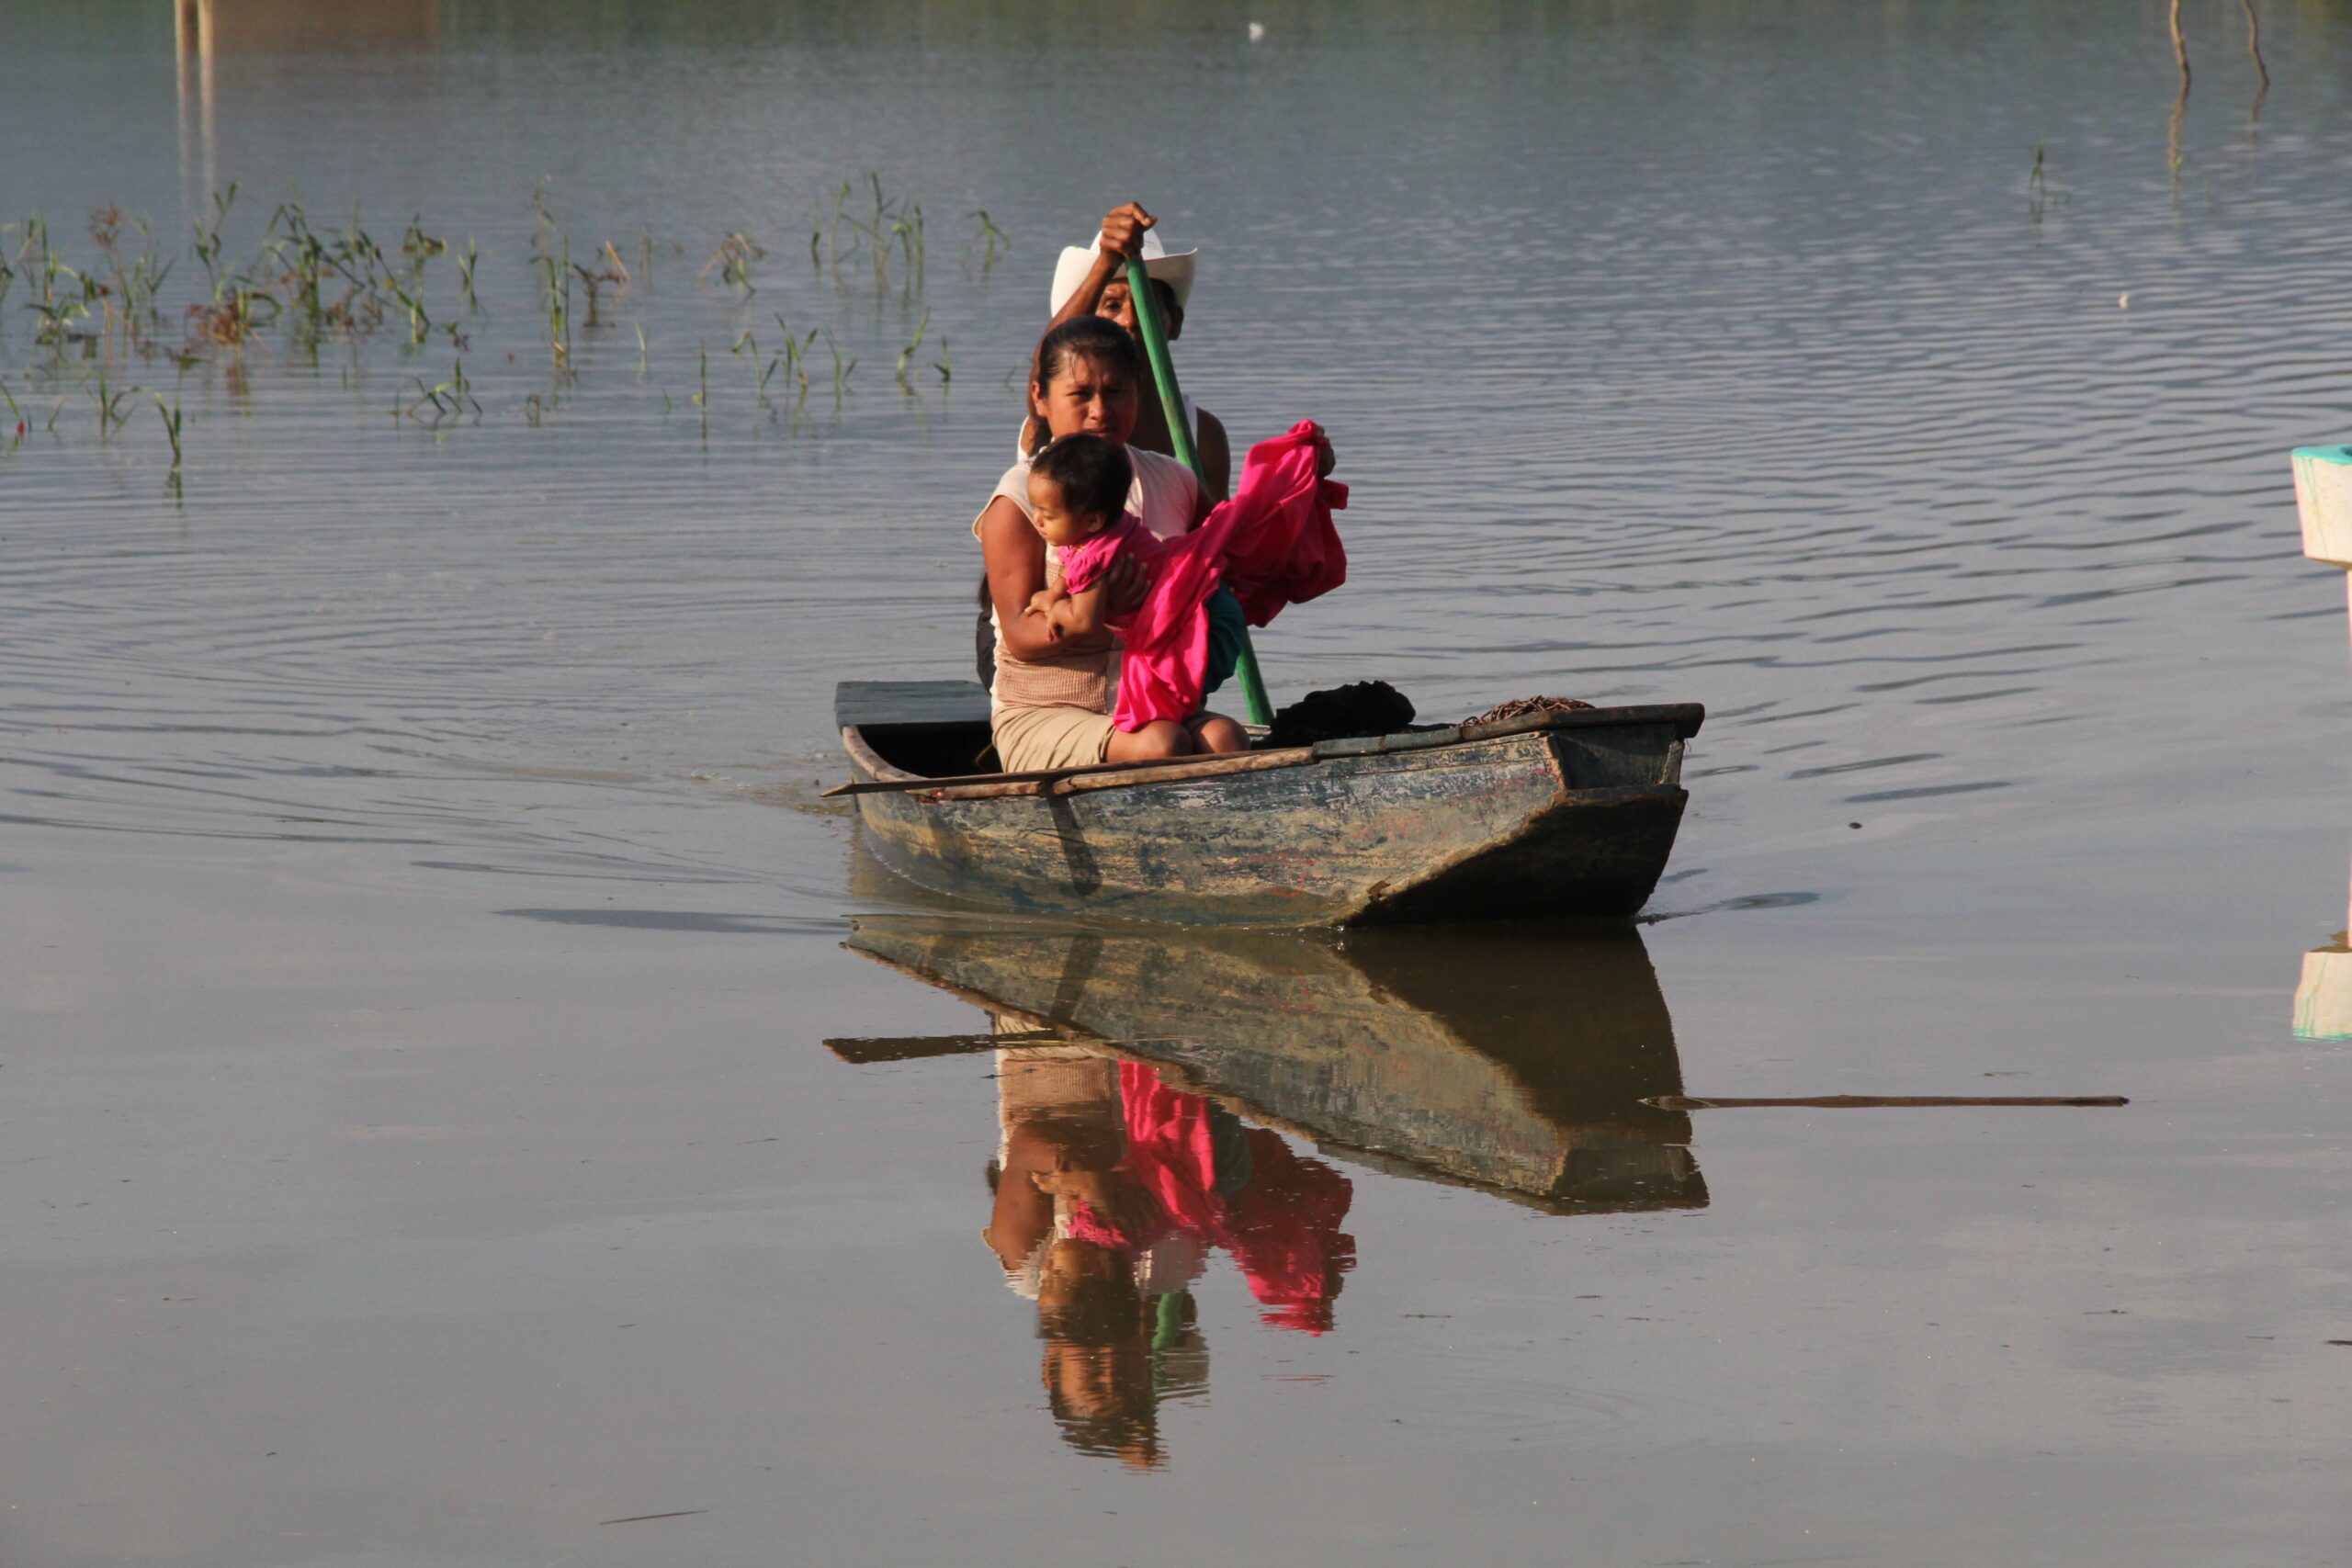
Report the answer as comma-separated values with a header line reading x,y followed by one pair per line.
x,y
1855,449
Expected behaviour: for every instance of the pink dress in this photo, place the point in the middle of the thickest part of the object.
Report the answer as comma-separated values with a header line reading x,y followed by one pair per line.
x,y
1273,543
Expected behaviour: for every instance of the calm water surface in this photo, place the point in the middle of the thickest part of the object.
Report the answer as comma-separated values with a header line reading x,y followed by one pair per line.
x,y
468,1104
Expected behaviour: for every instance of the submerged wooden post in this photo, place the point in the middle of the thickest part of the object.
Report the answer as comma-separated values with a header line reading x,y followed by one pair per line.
x,y
2324,993
2324,996
2324,498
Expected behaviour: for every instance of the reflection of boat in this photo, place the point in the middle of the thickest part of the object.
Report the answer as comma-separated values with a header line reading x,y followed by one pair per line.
x,y
1561,814
1510,1062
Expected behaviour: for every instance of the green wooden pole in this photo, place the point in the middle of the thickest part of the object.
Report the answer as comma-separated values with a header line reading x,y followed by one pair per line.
x,y
1180,436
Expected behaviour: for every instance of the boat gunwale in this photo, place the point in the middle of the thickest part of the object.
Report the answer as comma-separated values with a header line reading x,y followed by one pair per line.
x,y
1686,718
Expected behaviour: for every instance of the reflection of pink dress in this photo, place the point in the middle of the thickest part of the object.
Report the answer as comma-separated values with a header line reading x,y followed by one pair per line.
x,y
1273,543
1281,1225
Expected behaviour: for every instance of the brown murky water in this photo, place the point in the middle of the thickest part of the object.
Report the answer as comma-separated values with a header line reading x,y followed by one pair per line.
x,y
464,1105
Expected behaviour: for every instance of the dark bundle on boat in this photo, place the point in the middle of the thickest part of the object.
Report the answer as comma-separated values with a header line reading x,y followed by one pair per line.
x,y
1343,713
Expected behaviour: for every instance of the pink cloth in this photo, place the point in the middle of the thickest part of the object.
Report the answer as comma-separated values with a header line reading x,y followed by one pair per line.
x,y
1273,543
1295,555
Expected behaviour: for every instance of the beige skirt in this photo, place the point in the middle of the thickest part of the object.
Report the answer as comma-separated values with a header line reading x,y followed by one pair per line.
x,y
1030,739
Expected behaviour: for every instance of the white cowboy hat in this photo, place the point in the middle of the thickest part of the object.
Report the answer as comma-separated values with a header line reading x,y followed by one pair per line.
x,y
1176,271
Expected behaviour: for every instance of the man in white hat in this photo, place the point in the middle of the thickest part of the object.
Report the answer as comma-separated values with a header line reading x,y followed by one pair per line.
x,y
1092,280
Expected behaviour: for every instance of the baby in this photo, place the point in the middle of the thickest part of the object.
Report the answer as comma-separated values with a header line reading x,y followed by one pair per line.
x,y
1078,499
1275,539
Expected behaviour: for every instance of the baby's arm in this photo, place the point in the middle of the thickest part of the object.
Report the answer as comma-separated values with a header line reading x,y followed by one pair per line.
x,y
1075,615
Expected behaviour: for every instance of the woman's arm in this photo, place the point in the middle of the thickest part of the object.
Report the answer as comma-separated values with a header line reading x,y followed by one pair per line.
x,y
1021,1215
1123,229
1016,565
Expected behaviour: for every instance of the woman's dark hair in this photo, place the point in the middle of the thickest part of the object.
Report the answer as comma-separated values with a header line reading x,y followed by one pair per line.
x,y
1085,337
1092,473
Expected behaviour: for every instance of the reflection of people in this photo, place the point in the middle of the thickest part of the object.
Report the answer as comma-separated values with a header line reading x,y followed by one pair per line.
x,y
1111,1190
1206,1176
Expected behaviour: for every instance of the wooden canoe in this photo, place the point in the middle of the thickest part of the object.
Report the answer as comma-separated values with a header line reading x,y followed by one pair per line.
x,y
1550,816
1516,1063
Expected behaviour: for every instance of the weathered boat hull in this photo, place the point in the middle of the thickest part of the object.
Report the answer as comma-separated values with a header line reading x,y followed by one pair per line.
x,y
1539,822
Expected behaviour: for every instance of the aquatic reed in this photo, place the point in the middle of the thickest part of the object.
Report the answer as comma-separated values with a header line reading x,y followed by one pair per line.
x,y
733,260
747,348
841,371
795,357
170,414
907,354
109,406
556,271
991,238
208,239
889,227
419,246
448,401
596,279
125,297
66,293
419,323
300,281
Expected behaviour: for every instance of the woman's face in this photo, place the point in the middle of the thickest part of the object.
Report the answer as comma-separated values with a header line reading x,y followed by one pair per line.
x,y
1090,398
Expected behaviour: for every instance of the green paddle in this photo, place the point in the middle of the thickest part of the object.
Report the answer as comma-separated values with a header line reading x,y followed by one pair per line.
x,y
1179,435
